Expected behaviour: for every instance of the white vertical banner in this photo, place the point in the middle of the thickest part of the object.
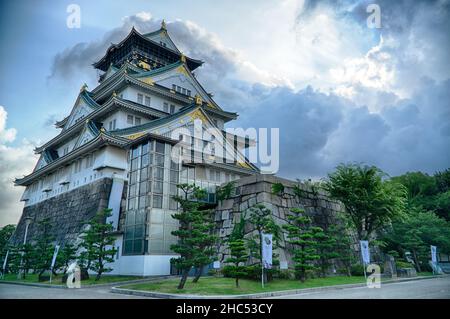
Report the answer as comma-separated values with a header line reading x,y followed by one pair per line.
x,y
54,256
267,250
365,253
5,262
433,254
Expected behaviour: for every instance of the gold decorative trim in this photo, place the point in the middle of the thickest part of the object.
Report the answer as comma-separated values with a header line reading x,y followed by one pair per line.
x,y
135,136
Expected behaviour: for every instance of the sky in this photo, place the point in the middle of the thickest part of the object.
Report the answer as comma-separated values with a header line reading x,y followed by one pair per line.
x,y
339,90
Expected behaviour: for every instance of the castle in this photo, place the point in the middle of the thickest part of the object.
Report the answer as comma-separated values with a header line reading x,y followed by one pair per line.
x,y
117,149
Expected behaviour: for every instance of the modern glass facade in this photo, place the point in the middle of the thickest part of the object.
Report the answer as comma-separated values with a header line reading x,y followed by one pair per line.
x,y
153,179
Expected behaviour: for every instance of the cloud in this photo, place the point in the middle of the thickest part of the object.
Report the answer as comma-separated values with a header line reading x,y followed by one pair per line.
x,y
373,98
15,161
6,135
318,131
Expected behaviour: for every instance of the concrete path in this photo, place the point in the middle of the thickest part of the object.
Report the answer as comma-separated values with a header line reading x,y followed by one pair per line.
x,y
8,291
437,288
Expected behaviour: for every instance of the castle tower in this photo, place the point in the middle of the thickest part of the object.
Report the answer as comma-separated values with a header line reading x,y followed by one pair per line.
x,y
115,149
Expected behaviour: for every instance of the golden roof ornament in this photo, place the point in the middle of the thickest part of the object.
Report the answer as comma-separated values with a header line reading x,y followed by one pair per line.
x,y
83,87
163,25
114,94
183,58
198,99
102,129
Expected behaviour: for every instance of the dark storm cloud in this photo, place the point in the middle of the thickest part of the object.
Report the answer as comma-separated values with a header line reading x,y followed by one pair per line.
x,y
190,39
318,131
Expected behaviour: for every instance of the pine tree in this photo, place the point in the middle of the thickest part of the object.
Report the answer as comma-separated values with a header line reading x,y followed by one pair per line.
x,y
262,221
192,233
303,237
44,247
238,251
27,258
98,242
204,240
66,255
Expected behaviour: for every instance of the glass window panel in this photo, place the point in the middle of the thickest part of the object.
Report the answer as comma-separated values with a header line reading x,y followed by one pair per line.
x,y
159,159
158,187
156,246
138,246
173,189
174,176
158,173
130,218
142,202
144,160
173,165
136,152
139,231
134,164
143,173
156,231
129,232
159,147
131,202
145,148
156,217
140,216
133,189
149,186
133,177
157,201
143,188
128,246
173,204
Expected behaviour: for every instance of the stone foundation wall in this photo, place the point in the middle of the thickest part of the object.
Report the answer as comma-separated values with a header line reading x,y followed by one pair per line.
x,y
67,212
258,190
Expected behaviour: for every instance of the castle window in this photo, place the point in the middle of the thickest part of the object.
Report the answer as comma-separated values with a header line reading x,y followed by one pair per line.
x,y
140,98
137,121
147,100
166,107
172,108
130,119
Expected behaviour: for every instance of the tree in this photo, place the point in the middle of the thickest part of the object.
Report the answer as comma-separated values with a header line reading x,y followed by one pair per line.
x,y
303,237
27,255
203,241
370,202
261,219
325,244
65,256
44,246
238,251
416,233
191,232
5,234
341,246
98,242
224,192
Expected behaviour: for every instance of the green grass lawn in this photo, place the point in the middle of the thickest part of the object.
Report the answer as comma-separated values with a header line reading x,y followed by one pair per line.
x,y
226,286
105,279
425,273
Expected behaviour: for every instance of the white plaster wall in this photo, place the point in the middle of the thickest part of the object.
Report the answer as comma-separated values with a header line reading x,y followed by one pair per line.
x,y
156,102
143,265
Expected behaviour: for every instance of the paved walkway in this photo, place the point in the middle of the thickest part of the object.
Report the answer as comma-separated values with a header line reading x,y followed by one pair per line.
x,y
8,291
437,288
419,289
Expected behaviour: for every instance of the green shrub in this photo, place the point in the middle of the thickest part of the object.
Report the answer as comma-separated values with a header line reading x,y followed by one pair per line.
x,y
227,271
357,270
403,264
285,274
